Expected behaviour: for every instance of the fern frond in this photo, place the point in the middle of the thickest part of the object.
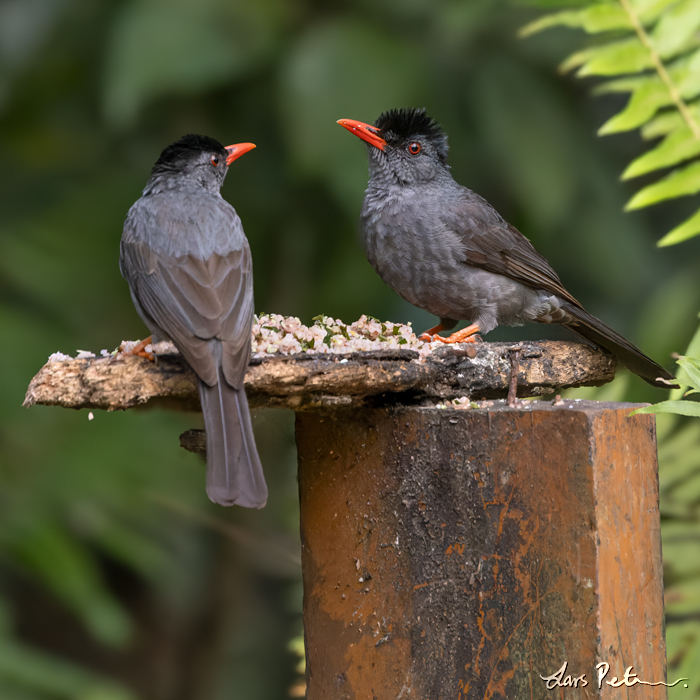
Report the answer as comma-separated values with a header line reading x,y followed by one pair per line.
x,y
649,49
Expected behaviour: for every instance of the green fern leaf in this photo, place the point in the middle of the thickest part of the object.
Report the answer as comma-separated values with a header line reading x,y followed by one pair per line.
x,y
679,183
676,30
666,122
654,45
601,17
681,408
678,146
648,97
689,228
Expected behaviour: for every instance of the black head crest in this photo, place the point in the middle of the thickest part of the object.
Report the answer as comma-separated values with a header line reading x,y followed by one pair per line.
x,y
406,123
188,147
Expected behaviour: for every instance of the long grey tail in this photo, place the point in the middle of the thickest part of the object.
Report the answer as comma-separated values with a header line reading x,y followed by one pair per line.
x,y
593,329
234,472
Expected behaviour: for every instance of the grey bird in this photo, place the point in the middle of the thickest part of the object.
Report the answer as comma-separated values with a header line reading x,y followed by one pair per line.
x,y
189,269
445,249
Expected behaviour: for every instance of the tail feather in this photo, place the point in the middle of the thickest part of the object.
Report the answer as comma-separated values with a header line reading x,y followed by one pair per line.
x,y
593,329
234,472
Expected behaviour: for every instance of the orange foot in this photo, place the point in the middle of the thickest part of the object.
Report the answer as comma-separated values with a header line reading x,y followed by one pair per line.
x,y
466,335
140,349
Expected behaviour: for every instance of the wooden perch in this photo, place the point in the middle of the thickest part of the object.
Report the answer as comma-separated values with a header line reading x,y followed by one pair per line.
x,y
304,381
448,554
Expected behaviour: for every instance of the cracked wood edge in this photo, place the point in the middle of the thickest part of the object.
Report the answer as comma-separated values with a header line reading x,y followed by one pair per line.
x,y
307,381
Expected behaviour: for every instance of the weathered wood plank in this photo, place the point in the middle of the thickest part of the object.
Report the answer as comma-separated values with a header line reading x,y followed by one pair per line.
x,y
306,381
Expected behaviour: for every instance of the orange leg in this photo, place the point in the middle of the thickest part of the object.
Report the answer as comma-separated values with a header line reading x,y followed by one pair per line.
x,y
140,351
428,335
466,335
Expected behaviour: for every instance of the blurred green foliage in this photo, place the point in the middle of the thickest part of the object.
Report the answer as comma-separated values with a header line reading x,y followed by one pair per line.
x,y
117,578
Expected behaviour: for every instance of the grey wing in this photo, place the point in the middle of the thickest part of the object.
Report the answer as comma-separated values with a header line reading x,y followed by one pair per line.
x,y
492,244
204,306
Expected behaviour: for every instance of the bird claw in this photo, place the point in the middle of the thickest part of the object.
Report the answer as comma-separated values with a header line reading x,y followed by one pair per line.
x,y
139,350
466,335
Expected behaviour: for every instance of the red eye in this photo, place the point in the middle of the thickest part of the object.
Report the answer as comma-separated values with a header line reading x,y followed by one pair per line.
x,y
414,148
215,160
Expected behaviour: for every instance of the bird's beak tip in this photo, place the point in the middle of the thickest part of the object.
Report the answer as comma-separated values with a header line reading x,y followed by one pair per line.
x,y
366,132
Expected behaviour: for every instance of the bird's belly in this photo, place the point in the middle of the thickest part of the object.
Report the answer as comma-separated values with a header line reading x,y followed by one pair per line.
x,y
435,279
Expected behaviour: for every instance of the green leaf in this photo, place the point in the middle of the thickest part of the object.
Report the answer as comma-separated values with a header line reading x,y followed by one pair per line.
x,y
668,121
682,408
650,10
685,74
694,65
676,28
601,17
626,84
683,77
616,58
676,147
691,367
693,349
689,228
647,98
680,182
551,4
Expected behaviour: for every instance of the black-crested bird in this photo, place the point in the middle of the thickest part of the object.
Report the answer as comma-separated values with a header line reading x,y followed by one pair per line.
x,y
189,269
445,249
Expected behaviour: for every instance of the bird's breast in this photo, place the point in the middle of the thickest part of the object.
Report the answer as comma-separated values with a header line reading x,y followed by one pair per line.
x,y
424,261
411,252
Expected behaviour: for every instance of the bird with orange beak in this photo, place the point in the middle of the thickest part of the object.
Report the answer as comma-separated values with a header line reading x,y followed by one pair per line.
x,y
189,269
445,249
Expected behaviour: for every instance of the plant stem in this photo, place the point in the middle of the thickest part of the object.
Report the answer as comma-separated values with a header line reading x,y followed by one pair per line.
x,y
661,69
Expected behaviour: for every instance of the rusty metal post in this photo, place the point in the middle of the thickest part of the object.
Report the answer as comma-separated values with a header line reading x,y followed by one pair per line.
x,y
467,553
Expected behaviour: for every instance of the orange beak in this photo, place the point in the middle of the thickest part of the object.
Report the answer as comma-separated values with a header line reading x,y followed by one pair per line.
x,y
366,132
237,150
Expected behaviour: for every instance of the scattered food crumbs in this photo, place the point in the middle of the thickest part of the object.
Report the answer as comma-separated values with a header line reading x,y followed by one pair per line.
x,y
59,357
127,346
274,334
287,335
462,402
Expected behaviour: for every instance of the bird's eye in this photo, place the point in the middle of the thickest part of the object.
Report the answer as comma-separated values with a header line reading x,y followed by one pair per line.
x,y
414,148
215,160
